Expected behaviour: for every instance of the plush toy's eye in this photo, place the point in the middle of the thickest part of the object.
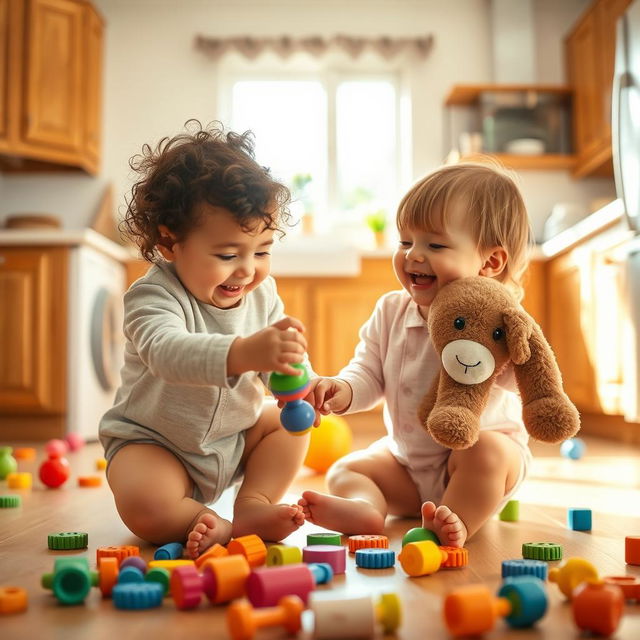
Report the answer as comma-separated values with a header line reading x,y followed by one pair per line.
x,y
498,334
459,323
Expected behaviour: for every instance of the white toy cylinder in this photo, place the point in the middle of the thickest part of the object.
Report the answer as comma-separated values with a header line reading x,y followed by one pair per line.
x,y
340,619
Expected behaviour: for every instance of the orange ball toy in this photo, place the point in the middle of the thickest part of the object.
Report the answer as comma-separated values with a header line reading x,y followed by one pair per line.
x,y
329,442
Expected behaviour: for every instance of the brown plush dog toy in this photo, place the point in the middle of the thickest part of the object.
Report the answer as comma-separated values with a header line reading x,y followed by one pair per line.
x,y
477,327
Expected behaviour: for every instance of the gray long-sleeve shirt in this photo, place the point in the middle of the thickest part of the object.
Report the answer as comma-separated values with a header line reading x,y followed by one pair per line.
x,y
175,389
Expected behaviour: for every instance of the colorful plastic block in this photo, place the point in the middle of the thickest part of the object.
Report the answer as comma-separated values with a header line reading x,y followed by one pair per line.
x,y
243,620
68,540
630,585
215,551
225,578
142,595
511,511
19,480
90,481
597,607
473,610
579,519
120,552
546,551
129,575
535,568
266,585
24,453
71,580
371,558
572,573
8,463
134,561
108,573
10,501
357,617
324,538
425,557
251,547
169,551
329,553
418,534
160,576
13,600
632,550
186,587
322,572
279,554
367,542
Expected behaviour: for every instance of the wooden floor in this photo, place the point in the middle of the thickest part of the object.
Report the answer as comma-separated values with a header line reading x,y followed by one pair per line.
x,y
606,480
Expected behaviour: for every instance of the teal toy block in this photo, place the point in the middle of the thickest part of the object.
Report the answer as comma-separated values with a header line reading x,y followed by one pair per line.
x,y
579,519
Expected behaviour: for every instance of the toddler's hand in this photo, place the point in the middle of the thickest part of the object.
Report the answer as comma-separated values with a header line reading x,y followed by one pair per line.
x,y
328,395
274,348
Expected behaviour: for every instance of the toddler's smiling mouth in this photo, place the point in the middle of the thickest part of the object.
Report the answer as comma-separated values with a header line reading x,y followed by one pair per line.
x,y
231,290
421,279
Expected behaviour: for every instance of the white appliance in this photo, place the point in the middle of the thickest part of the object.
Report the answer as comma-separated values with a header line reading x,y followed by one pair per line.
x,y
625,127
95,341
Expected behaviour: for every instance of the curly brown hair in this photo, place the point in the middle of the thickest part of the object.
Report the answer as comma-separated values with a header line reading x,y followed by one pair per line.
x,y
204,165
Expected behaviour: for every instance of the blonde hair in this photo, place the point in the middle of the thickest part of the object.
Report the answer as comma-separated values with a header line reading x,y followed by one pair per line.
x,y
495,210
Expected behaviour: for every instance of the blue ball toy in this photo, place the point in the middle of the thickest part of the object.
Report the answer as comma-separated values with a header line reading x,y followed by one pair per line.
x,y
573,448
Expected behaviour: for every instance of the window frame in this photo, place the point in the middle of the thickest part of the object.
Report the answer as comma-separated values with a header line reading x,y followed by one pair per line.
x,y
329,77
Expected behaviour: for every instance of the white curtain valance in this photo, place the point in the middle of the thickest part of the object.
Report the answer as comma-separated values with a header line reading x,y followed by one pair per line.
x,y
251,47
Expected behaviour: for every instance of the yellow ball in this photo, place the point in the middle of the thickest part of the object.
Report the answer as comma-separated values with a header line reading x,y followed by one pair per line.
x,y
330,441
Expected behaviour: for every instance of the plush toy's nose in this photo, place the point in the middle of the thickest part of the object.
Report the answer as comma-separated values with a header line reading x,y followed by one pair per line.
x,y
468,362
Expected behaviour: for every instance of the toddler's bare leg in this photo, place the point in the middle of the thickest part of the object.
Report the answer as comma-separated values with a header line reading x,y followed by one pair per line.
x,y
366,486
271,459
152,492
479,478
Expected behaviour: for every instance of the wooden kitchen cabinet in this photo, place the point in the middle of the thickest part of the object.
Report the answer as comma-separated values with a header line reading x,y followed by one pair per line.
x,y
570,328
33,333
50,100
589,51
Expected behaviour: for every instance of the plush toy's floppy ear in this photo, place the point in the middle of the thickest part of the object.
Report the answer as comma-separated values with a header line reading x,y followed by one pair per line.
x,y
518,329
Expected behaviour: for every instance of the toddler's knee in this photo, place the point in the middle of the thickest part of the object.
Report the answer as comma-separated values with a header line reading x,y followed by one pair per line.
x,y
145,516
490,458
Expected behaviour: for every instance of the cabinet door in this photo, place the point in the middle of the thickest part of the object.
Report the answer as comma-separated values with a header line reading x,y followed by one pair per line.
x,y
570,326
340,307
33,343
54,75
584,69
93,84
4,70
610,328
295,294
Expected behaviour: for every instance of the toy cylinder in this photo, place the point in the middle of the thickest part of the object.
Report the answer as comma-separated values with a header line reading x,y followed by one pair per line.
x,y
348,618
266,585
225,578
473,609
170,551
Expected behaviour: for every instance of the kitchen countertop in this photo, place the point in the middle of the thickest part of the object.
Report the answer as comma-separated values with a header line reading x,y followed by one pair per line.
x,y
310,256
63,237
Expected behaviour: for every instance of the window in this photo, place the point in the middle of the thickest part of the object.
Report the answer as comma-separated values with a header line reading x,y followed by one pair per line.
x,y
332,138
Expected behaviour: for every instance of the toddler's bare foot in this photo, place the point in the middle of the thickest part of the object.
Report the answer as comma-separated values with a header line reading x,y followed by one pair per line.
x,y
347,515
209,529
445,524
271,522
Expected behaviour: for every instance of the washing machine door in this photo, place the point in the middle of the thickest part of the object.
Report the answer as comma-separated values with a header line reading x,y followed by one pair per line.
x,y
104,338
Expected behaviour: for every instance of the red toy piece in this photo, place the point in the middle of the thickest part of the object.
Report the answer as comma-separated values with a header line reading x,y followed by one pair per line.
x,y
74,441
56,447
597,607
55,471
632,550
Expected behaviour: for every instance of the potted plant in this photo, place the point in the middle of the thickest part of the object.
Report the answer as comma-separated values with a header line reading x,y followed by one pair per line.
x,y
377,222
299,189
